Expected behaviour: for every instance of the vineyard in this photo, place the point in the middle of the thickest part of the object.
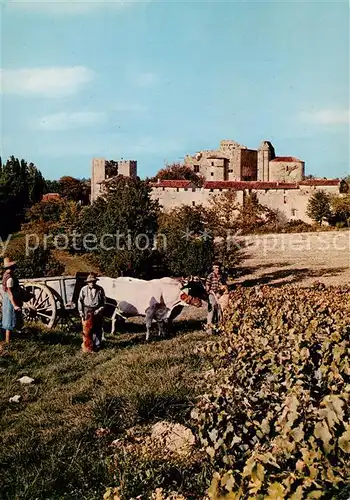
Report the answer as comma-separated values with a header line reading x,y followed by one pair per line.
x,y
274,419
258,411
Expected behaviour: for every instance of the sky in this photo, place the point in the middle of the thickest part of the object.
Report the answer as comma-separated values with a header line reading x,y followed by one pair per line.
x,y
154,81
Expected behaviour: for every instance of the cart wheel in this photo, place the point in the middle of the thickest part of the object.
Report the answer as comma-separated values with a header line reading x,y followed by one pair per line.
x,y
42,306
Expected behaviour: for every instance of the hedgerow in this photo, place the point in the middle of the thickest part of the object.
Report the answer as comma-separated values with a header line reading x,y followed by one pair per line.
x,y
275,420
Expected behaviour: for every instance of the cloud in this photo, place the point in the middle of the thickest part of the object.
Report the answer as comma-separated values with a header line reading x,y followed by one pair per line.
x,y
69,6
45,82
327,116
68,121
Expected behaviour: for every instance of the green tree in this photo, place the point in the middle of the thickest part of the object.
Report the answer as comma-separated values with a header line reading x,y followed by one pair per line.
x,y
254,217
176,171
21,185
222,213
319,207
75,189
128,214
37,263
52,217
189,246
52,186
340,207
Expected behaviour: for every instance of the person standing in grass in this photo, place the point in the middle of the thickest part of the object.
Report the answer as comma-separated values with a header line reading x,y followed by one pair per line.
x,y
11,303
91,304
214,283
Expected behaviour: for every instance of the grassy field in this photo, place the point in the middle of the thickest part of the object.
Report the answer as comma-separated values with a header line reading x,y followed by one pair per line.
x,y
49,448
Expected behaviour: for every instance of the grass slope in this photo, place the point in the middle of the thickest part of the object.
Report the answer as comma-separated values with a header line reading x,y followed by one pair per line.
x,y
48,446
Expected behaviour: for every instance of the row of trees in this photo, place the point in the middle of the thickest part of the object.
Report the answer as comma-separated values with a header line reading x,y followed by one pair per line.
x,y
70,188
22,185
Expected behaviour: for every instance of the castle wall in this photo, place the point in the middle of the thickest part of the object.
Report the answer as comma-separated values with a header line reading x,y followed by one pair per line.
x,y
216,169
174,197
292,202
249,165
286,171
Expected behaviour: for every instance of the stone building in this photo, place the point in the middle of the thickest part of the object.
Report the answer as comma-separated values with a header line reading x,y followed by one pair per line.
x,y
289,198
102,170
277,181
234,162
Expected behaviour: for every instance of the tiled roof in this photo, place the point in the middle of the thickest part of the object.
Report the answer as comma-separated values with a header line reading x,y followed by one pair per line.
x,y
50,196
287,158
169,183
320,182
239,185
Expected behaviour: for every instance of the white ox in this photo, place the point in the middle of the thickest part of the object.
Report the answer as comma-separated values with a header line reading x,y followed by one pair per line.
x,y
159,300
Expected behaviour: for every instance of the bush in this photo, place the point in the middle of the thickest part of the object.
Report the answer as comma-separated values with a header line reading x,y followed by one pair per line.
x,y
176,171
319,207
52,217
189,247
275,421
298,226
37,263
125,213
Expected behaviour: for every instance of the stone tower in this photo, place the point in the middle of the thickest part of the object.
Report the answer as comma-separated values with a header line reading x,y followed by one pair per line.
x,y
266,153
103,170
98,175
128,168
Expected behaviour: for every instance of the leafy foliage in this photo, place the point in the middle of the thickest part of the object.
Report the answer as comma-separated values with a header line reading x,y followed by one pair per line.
x,y
21,185
254,217
52,186
37,263
275,421
52,217
319,207
189,248
75,189
176,171
225,215
70,188
126,210
340,206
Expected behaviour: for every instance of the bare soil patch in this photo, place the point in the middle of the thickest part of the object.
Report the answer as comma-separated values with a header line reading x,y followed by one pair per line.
x,y
301,258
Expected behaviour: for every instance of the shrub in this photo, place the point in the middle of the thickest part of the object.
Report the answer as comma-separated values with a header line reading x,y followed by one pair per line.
x,y
176,171
52,217
275,421
189,247
125,213
340,206
37,263
319,207
298,226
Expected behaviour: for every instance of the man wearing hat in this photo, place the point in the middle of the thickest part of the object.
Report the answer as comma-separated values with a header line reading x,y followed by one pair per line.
x,y
91,304
11,304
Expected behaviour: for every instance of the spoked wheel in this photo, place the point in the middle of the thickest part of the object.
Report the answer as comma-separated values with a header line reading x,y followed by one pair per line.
x,y
67,321
42,307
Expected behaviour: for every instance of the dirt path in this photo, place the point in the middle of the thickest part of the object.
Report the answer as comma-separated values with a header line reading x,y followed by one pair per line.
x,y
301,258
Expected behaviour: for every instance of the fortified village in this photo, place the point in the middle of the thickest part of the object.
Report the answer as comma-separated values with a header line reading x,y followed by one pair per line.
x,y
278,181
